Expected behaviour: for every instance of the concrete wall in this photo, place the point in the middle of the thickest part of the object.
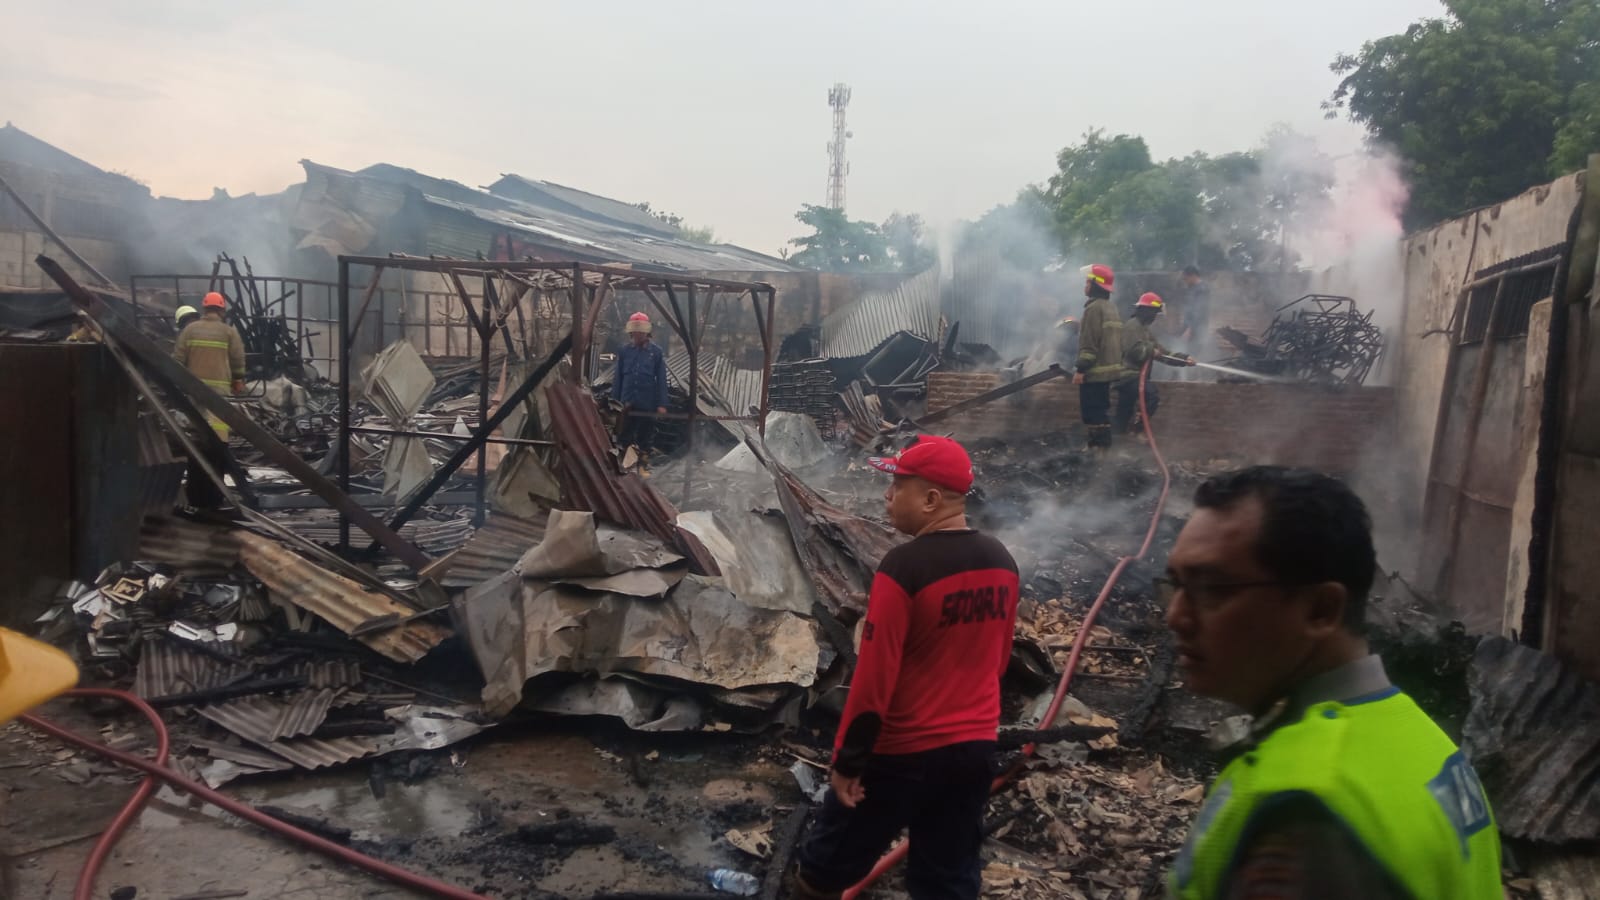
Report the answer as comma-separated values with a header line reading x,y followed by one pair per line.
x,y
1530,400
1304,425
93,213
19,248
1572,598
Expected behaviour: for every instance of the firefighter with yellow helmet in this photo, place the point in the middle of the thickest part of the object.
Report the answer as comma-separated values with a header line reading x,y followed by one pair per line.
x,y
1141,347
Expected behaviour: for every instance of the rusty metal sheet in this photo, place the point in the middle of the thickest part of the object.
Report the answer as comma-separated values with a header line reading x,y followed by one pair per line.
x,y
343,603
591,479
1534,737
491,550
339,673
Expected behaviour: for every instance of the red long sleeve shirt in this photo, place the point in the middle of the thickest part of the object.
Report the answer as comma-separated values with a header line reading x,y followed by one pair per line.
x,y
937,640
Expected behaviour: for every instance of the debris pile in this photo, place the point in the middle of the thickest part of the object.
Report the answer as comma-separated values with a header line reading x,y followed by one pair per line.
x,y
1326,340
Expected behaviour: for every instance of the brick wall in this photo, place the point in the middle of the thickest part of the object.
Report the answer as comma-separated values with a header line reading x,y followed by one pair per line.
x,y
1288,424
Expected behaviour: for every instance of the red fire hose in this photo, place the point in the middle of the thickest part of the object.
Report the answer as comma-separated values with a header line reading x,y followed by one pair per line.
x,y
156,770
899,851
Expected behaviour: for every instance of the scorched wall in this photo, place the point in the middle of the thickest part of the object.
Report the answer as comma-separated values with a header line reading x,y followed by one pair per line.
x,y
1287,424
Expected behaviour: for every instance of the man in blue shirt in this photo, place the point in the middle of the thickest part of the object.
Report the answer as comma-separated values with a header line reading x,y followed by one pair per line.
x,y
640,386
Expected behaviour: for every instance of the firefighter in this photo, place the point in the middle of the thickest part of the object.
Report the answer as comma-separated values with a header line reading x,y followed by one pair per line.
x,y
640,386
213,352
184,316
1099,363
1142,347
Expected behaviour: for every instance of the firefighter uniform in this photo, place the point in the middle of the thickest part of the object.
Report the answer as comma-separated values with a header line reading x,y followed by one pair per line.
x,y
1100,363
1141,347
213,352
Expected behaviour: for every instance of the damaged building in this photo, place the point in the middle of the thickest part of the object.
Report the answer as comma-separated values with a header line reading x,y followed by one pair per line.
x,y
444,625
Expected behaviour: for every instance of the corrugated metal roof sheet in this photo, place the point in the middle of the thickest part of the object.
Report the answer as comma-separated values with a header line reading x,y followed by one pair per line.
x,y
580,231
559,197
591,480
975,300
256,719
734,389
167,668
493,549
858,329
304,713
195,548
343,603
1534,736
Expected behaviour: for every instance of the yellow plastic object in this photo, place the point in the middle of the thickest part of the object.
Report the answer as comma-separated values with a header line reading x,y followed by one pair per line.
x,y
31,672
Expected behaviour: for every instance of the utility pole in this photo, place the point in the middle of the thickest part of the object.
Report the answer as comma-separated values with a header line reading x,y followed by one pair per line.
x,y
838,99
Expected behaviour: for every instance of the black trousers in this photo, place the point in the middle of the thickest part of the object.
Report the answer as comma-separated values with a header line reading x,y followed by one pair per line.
x,y
202,492
1094,404
1128,403
637,431
938,794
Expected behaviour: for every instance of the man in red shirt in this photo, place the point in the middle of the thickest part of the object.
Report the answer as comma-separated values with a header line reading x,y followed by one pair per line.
x,y
914,746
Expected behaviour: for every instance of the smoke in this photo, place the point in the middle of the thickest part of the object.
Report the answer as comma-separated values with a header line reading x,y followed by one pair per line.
x,y
1342,217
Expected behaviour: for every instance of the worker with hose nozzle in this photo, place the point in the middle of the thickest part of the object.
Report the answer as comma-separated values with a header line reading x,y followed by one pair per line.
x,y
914,746
1099,362
640,387
1345,788
213,352
1142,348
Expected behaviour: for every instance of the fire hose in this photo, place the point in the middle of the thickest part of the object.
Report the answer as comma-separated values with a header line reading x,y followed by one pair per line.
x,y
899,851
156,770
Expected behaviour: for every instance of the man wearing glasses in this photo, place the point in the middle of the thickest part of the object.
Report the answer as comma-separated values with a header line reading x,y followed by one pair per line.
x,y
1346,788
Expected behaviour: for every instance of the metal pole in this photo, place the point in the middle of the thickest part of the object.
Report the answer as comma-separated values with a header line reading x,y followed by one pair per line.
x,y
767,337
484,334
344,394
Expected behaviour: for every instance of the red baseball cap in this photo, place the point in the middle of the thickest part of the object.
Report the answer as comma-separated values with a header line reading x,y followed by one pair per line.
x,y
938,460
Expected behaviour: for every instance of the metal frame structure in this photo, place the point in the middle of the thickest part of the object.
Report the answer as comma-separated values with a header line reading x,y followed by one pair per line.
x,y
312,304
586,290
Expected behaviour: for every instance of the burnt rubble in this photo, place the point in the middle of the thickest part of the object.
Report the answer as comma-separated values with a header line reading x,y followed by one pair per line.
x,y
690,632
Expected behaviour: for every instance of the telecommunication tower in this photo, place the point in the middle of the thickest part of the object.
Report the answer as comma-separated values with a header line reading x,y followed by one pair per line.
x,y
838,99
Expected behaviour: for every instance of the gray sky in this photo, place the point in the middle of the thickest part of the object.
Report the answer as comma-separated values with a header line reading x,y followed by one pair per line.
x,y
714,110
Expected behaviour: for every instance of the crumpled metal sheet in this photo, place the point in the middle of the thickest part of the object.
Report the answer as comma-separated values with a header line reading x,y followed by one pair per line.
x,y
1534,737
591,479
417,727
840,551
639,706
756,556
343,603
577,551
700,633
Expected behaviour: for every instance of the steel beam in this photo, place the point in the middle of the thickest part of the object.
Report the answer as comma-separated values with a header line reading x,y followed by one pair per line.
x,y
175,377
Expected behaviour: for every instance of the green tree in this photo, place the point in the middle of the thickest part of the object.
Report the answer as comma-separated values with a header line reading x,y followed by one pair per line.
x,y
1494,97
839,244
1110,200
909,247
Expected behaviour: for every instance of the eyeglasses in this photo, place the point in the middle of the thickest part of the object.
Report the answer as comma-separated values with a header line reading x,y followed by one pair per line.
x,y
1206,596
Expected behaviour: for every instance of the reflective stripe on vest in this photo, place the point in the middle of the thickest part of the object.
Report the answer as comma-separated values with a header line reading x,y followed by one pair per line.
x,y
1387,771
